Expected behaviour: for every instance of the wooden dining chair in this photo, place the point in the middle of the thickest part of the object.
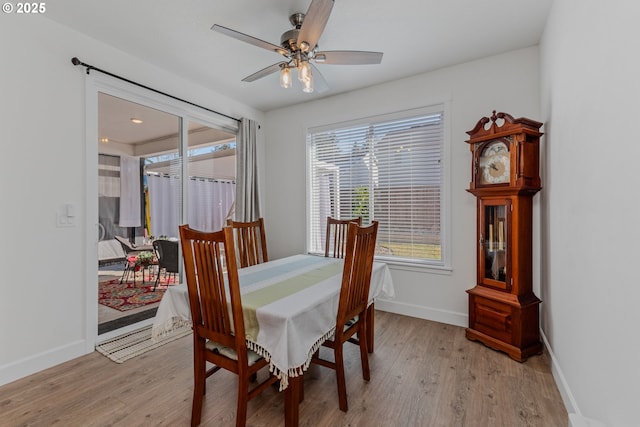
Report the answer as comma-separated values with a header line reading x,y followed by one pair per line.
x,y
354,296
218,324
336,239
335,246
251,244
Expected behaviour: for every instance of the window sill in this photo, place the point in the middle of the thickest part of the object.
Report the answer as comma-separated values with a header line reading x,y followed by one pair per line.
x,y
415,266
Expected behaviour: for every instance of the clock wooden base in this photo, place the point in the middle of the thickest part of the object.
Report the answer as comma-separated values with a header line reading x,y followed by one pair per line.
x,y
505,322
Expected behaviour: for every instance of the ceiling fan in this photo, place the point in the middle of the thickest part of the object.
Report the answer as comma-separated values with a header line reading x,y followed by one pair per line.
x,y
299,46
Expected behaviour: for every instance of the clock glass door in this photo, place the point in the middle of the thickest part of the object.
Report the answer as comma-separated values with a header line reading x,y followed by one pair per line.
x,y
494,262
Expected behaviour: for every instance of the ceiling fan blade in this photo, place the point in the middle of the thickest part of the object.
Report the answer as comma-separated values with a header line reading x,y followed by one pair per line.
x,y
314,22
249,39
348,57
320,85
264,72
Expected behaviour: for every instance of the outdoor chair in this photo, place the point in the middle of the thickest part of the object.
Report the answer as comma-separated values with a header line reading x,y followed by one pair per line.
x,y
130,254
167,253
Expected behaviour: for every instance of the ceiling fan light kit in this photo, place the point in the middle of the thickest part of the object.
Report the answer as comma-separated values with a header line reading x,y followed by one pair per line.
x,y
299,46
307,83
285,76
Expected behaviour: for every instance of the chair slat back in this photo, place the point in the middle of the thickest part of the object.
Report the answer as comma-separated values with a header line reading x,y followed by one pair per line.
x,y
356,275
251,244
214,289
336,238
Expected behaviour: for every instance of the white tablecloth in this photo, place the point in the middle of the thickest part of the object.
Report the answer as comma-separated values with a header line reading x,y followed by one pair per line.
x,y
293,326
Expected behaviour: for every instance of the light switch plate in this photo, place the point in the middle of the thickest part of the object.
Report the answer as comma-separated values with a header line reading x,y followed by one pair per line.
x,y
63,217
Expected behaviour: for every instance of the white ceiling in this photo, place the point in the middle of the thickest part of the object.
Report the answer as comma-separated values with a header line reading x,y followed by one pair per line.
x,y
416,36
114,124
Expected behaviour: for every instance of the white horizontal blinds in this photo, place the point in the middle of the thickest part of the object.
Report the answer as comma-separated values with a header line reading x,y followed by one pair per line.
x,y
108,175
385,170
109,196
339,179
407,195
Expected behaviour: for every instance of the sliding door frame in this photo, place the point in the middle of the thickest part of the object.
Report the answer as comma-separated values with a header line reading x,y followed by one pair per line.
x,y
94,84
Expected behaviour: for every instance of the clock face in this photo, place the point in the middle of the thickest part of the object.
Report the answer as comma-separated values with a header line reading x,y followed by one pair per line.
x,y
494,163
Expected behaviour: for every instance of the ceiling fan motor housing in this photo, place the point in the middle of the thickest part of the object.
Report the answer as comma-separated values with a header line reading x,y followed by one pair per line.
x,y
289,39
296,19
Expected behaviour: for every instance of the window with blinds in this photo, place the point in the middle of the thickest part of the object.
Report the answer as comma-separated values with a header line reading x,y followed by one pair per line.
x,y
387,169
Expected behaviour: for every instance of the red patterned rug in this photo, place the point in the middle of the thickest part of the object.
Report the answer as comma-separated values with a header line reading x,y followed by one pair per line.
x,y
127,296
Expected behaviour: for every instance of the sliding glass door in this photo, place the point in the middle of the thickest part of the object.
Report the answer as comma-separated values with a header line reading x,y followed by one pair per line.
x,y
128,134
158,167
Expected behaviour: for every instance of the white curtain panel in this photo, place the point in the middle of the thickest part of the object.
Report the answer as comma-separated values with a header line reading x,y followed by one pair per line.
x,y
164,205
209,202
199,193
129,192
247,191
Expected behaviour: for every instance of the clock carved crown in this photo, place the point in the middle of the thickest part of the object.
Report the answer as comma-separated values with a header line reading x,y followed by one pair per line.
x,y
505,153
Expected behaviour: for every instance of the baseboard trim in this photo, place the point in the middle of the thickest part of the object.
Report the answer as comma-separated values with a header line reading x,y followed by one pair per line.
x,y
421,312
561,382
576,420
39,362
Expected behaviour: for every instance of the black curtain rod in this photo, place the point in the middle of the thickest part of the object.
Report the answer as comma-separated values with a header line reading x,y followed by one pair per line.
x,y
193,178
76,61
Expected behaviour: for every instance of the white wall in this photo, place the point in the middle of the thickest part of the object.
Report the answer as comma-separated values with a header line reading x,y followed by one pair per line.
x,y
590,74
589,91
507,82
42,108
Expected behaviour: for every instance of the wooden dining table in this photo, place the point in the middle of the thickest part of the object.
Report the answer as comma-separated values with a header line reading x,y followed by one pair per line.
x,y
290,307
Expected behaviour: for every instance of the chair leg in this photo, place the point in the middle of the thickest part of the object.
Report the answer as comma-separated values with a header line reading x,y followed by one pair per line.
x,y
125,272
342,386
370,326
364,355
157,279
243,397
200,377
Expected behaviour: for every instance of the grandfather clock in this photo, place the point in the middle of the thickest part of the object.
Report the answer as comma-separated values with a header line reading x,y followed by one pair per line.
x,y
503,310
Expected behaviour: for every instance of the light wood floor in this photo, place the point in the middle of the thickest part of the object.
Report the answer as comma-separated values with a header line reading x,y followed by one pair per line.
x,y
422,374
